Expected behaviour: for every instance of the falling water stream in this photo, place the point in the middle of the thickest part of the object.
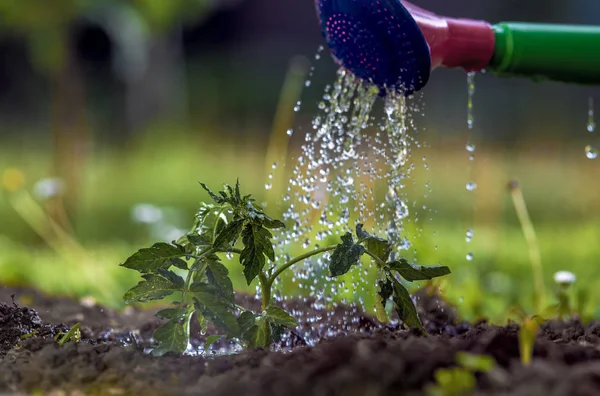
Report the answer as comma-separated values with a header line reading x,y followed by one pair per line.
x,y
591,151
470,146
353,168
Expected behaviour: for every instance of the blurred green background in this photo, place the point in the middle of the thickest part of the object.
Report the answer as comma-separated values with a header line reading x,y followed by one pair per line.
x,y
122,106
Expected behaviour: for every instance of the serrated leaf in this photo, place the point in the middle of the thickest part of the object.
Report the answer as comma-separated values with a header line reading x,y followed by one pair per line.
x,y
211,340
345,255
229,234
215,197
246,320
412,272
278,316
257,245
173,336
216,308
407,312
154,258
378,246
173,277
154,287
171,313
218,275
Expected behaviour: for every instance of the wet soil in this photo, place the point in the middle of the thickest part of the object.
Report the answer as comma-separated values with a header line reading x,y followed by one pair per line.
x,y
357,358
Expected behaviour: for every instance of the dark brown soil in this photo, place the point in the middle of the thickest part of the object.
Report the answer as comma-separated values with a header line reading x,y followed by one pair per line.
x,y
360,358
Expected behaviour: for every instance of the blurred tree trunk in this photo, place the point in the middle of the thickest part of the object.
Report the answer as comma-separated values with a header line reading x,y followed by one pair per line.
x,y
70,131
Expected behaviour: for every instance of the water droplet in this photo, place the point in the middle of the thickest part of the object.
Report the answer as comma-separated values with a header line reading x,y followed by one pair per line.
x,y
470,256
268,186
290,132
297,107
591,152
471,186
470,147
591,125
470,234
307,83
274,166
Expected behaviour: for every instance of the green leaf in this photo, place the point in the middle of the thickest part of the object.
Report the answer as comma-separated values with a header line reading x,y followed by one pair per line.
x,y
199,240
246,320
345,255
218,276
152,259
173,277
154,287
405,307
280,317
172,336
201,318
412,272
277,331
256,336
257,245
216,308
482,363
378,246
179,263
386,289
211,340
171,313
272,223
215,197
229,234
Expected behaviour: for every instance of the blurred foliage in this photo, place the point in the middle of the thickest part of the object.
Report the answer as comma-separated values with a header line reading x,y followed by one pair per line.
x,y
45,24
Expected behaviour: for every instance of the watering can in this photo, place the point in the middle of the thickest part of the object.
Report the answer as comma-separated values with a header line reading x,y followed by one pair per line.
x,y
395,45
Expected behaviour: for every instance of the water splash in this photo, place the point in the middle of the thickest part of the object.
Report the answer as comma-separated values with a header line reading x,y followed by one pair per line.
x,y
352,168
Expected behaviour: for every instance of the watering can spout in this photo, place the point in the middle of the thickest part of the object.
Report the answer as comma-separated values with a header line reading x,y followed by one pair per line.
x,y
453,42
395,45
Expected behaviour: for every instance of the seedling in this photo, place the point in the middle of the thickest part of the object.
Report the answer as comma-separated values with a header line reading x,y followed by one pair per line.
x,y
235,224
460,380
74,334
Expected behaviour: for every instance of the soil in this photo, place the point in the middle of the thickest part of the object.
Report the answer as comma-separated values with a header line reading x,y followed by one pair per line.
x,y
362,357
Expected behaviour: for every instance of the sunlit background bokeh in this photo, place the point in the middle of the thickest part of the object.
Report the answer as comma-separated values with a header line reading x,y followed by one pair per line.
x,y
112,111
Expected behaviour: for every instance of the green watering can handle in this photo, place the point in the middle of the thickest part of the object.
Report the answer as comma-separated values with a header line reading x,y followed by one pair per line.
x,y
566,53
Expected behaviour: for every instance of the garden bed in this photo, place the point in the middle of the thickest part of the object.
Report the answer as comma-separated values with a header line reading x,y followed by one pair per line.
x,y
360,357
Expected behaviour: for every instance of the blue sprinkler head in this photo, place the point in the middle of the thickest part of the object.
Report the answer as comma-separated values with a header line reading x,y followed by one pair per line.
x,y
377,40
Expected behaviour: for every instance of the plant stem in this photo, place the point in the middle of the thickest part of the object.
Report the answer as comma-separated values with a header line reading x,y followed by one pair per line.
x,y
265,287
375,258
297,260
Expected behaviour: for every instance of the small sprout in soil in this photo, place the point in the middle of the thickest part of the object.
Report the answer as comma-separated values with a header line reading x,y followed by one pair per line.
x,y
74,334
527,336
460,380
235,224
28,335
